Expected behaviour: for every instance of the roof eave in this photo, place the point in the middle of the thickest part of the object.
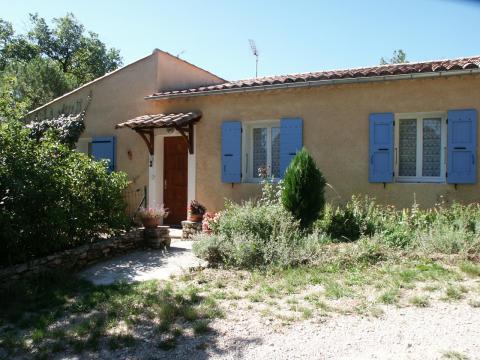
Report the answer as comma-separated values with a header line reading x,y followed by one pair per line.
x,y
316,83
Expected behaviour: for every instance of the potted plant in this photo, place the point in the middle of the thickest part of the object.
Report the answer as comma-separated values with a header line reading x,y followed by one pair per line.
x,y
151,217
195,211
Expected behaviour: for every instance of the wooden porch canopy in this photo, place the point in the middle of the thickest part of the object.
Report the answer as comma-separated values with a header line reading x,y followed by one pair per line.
x,y
146,124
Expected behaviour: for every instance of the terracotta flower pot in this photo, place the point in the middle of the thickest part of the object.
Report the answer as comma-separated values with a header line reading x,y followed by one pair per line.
x,y
150,222
195,217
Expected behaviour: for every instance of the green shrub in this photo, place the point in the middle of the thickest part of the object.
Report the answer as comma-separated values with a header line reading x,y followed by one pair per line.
x,y
210,248
348,223
254,234
52,198
442,229
303,189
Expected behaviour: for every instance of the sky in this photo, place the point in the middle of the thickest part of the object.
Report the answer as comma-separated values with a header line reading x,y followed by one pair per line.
x,y
292,36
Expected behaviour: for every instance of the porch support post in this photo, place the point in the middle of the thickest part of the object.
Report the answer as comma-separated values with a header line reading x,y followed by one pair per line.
x,y
152,186
188,136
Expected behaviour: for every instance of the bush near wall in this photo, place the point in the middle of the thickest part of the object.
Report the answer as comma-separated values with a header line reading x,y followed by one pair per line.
x,y
51,197
262,233
441,229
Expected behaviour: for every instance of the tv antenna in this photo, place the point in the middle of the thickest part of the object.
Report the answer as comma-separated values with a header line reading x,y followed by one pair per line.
x,y
255,53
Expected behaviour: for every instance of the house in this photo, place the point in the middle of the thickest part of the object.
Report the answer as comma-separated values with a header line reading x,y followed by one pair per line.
x,y
400,133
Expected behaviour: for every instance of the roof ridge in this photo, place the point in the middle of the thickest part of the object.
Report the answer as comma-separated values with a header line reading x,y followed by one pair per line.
x,y
385,71
355,68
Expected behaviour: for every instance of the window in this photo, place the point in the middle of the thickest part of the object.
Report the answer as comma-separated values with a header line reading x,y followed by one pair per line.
x,y
261,149
420,147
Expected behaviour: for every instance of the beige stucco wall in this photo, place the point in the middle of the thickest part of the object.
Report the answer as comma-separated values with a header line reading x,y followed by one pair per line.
x,y
118,97
175,74
335,132
335,125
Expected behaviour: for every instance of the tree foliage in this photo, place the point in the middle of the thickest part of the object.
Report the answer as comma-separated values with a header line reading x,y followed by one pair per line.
x,y
10,107
399,57
52,198
304,189
48,61
84,56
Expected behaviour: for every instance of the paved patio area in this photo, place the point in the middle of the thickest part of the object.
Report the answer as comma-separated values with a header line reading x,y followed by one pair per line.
x,y
144,265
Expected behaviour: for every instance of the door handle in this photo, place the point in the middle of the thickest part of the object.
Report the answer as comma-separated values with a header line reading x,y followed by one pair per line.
x,y
165,184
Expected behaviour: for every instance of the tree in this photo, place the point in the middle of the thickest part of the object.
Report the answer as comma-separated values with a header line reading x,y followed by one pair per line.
x,y
48,61
93,59
10,106
14,47
303,191
399,57
39,81
84,56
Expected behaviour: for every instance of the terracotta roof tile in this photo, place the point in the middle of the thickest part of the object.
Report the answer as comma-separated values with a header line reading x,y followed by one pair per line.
x,y
381,70
161,120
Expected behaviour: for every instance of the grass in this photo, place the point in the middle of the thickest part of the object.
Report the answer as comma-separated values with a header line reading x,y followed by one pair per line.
x,y
389,296
335,290
419,301
454,355
454,292
470,268
201,327
474,303
38,308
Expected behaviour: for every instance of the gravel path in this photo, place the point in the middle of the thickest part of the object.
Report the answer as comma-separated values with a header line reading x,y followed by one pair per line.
x,y
405,333
144,265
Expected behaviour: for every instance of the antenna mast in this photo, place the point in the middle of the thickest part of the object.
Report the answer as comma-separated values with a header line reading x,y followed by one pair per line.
x,y
255,53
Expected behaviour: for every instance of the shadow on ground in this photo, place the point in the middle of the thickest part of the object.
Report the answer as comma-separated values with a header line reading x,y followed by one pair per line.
x,y
61,316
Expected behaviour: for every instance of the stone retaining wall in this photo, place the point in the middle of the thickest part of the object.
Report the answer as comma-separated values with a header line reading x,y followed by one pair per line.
x,y
77,258
190,228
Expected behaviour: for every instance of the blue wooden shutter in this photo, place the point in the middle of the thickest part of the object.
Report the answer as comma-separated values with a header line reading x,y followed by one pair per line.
x,y
232,151
103,148
291,141
462,147
381,148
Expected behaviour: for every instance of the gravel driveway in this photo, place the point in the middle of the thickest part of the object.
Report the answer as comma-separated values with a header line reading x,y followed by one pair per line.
x,y
401,333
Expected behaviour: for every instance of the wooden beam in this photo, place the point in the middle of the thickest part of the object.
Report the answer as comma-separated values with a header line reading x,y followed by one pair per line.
x,y
150,140
187,135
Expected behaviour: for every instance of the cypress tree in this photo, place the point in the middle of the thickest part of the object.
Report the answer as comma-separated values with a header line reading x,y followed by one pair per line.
x,y
303,192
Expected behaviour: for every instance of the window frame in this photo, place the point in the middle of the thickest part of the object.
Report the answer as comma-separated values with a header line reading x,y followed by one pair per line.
x,y
247,147
419,117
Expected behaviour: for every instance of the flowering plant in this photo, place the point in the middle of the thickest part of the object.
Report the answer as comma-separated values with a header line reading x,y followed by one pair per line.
x,y
195,208
210,220
156,212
